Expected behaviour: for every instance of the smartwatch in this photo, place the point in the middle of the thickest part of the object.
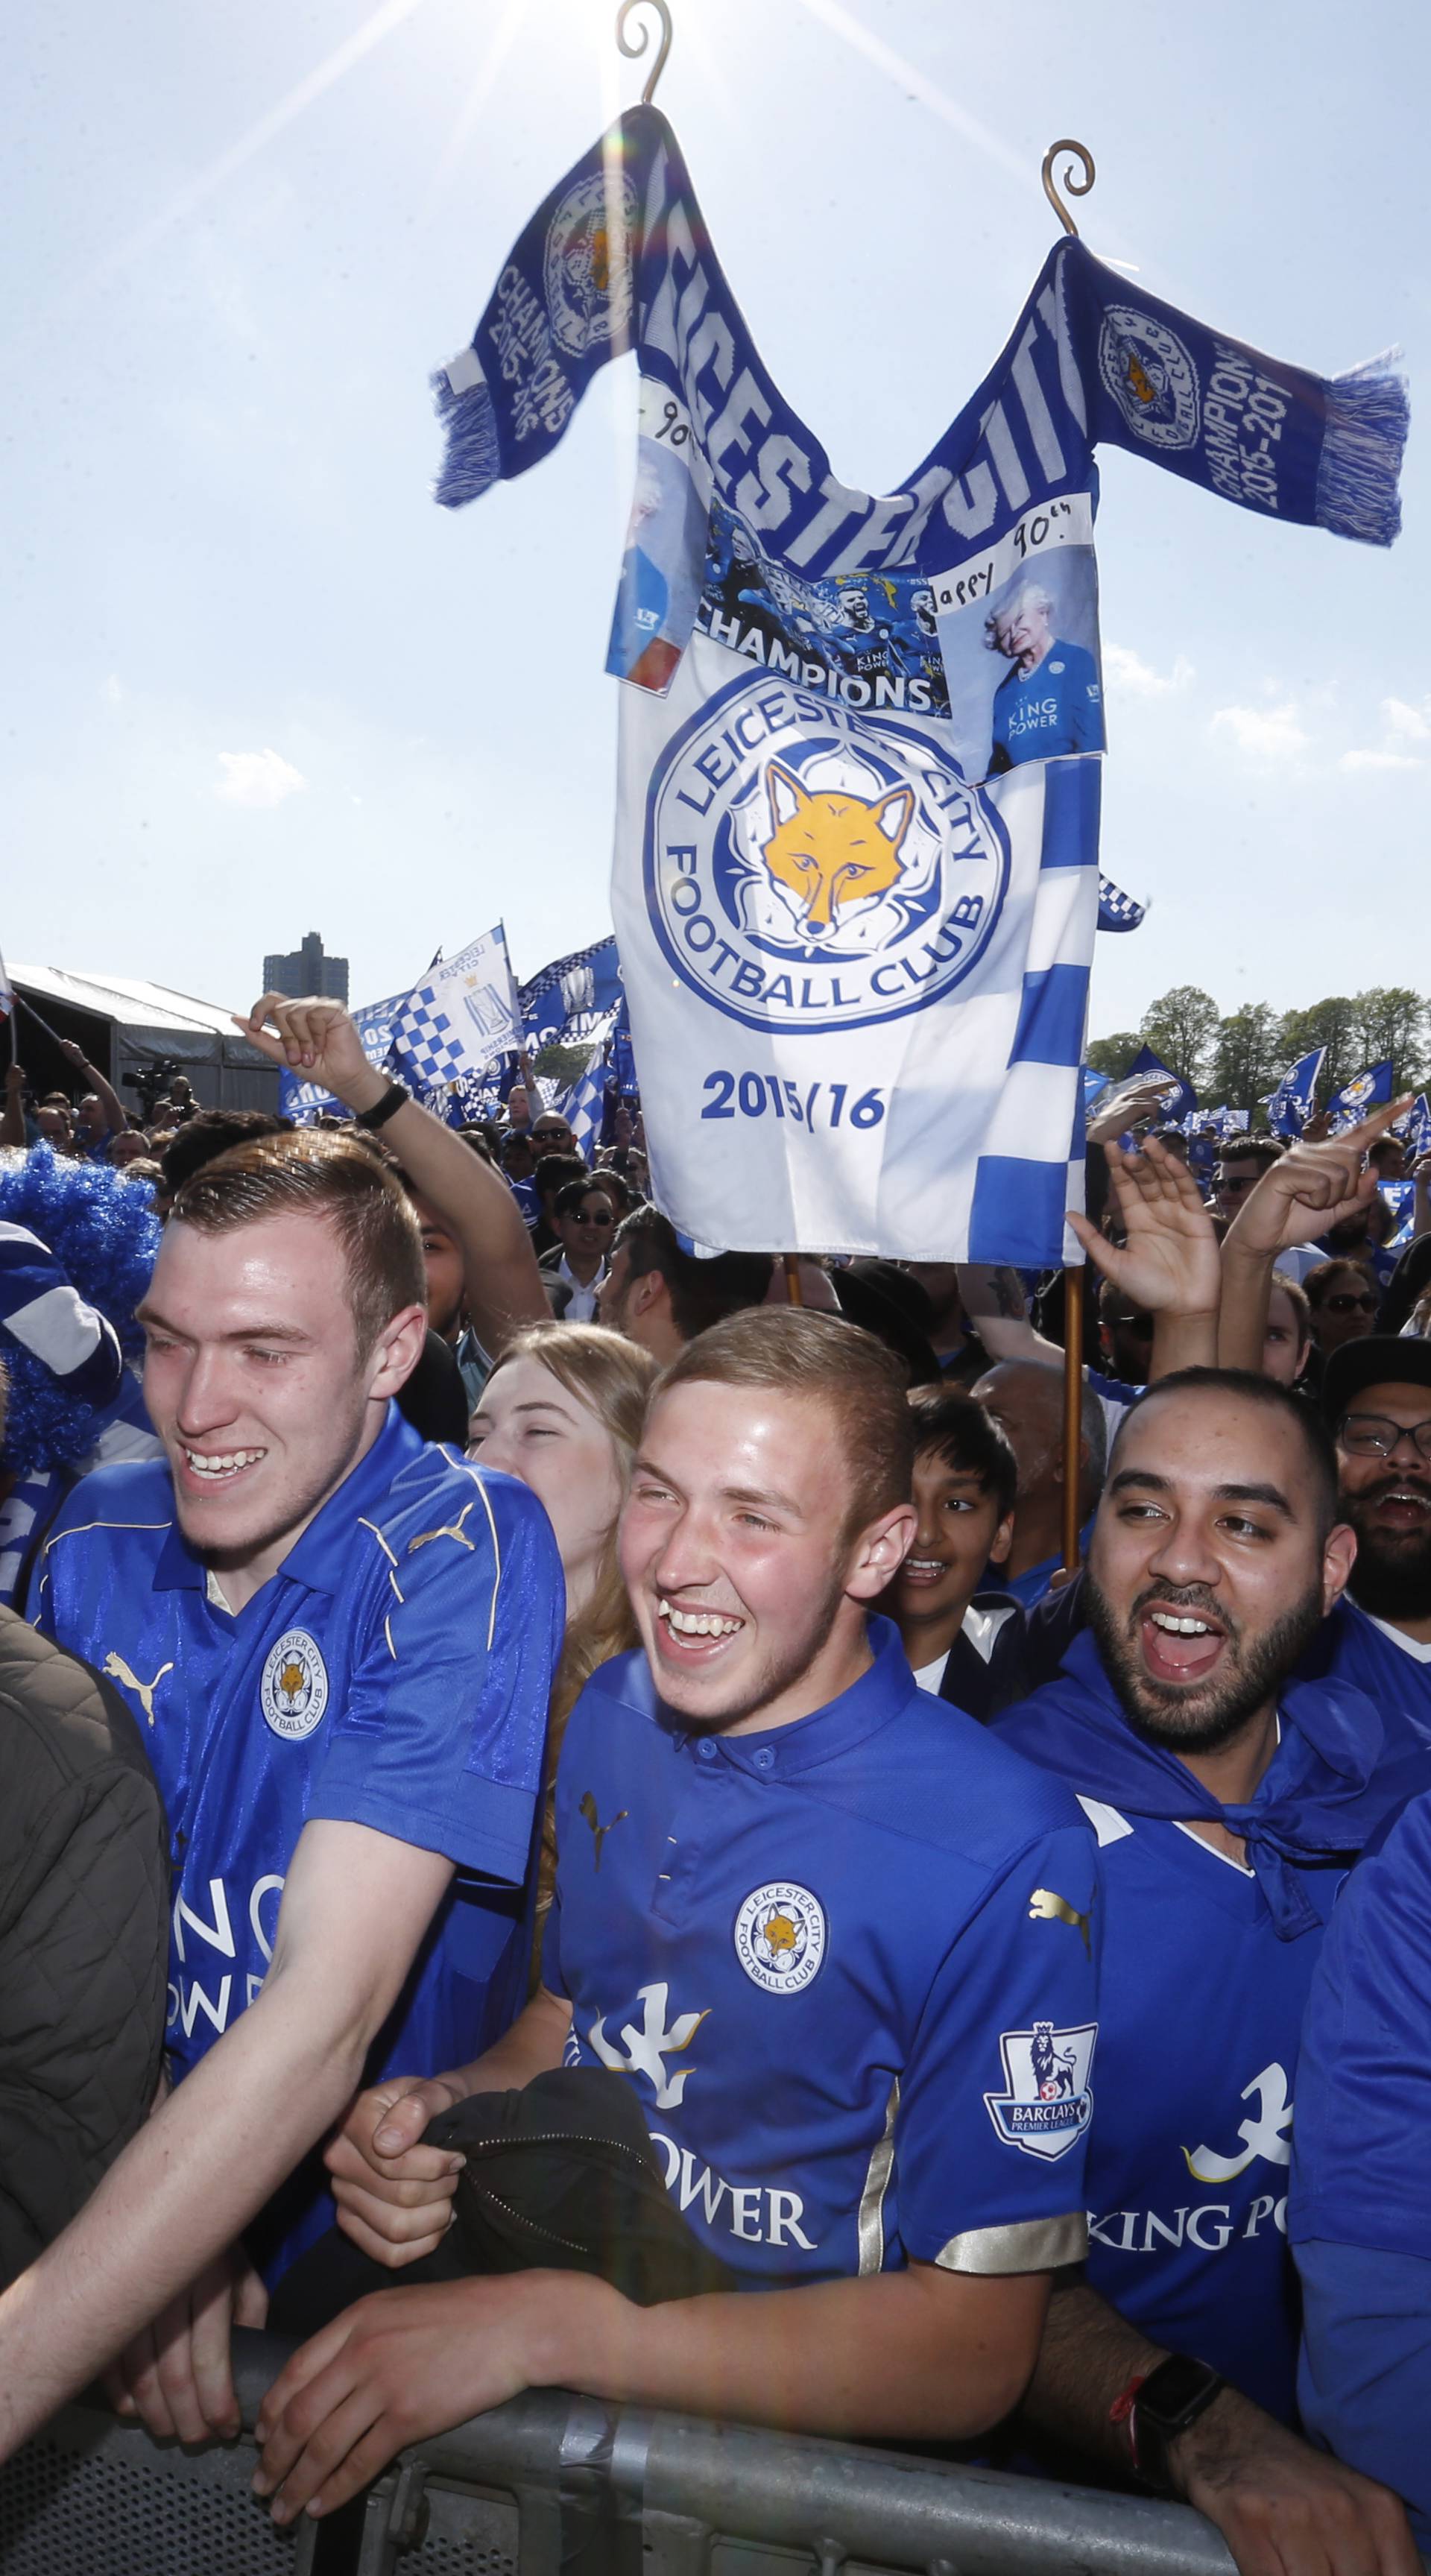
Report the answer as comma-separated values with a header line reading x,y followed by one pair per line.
x,y
1171,2398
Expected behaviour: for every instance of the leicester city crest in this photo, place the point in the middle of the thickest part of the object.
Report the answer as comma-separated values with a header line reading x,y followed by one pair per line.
x,y
1046,2103
293,1692
780,1937
1152,379
586,272
809,871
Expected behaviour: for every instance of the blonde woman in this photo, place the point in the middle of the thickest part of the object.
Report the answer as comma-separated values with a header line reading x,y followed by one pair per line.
x,y
562,1410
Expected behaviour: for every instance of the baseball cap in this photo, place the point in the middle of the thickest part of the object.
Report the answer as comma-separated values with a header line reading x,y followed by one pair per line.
x,y
1381,1359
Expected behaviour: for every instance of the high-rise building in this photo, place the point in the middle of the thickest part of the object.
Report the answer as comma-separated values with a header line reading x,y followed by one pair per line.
x,y
307,970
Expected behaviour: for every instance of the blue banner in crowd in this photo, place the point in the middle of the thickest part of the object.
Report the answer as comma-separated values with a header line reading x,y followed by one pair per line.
x,y
1295,1097
1416,1128
1116,910
1357,1098
559,1004
452,1030
1179,1097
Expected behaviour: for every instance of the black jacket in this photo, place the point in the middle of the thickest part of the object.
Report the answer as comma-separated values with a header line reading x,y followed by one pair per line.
x,y
84,1892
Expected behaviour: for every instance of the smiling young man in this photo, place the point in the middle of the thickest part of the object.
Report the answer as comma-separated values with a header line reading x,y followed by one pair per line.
x,y
963,1642
840,1942
336,1643
1228,1801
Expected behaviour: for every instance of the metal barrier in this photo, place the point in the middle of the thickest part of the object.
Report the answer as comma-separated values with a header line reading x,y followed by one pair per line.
x,y
552,2484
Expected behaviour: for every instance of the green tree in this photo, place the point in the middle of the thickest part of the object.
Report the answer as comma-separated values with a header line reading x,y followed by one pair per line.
x,y
1113,1055
1391,1021
1331,1024
1245,1060
1181,1028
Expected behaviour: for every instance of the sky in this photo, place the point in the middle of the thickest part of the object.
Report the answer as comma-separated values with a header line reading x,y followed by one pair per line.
x,y
255,683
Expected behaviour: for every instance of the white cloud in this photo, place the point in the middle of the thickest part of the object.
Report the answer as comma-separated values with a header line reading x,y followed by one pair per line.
x,y
1378,760
257,778
1127,671
1409,724
1264,733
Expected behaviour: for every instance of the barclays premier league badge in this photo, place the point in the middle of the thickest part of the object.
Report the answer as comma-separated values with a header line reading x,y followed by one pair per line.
x,y
293,1692
1047,2104
806,873
780,1937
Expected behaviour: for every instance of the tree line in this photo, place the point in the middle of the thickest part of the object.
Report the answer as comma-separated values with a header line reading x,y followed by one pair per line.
x,y
1238,1058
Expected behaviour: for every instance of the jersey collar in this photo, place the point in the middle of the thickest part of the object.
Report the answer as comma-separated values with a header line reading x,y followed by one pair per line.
x,y
320,1558
880,1695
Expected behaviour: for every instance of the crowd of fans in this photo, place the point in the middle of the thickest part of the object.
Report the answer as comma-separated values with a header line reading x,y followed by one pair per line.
x,y
565,1672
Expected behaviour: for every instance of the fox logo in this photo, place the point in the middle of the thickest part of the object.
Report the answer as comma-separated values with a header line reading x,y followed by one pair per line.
x,y
831,853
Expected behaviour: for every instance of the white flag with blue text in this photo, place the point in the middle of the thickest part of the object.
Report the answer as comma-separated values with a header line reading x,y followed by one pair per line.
x,y
460,1019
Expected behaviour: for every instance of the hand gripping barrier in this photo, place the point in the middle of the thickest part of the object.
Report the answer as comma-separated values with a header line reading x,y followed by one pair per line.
x,y
555,2485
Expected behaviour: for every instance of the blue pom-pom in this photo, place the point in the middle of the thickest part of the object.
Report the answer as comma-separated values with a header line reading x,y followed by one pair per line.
x,y
104,1234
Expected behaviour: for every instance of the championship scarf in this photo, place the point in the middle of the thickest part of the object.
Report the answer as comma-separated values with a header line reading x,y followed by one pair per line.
x,y
855,885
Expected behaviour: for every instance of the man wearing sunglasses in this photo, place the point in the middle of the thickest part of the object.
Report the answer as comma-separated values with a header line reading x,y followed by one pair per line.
x,y
1377,1400
585,1220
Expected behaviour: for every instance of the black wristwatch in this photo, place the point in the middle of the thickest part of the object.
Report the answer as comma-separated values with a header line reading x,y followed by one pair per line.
x,y
1171,2398
393,1099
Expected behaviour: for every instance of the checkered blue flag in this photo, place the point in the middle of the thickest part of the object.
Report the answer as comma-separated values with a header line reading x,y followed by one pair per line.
x,y
1116,910
459,1020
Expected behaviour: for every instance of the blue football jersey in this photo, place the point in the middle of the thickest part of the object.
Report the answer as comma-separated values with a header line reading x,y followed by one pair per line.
x,y
1361,2195
849,1965
1394,1671
1201,2009
1046,713
393,1673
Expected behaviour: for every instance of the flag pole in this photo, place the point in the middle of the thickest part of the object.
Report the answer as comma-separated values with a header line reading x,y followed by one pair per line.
x,y
794,1293
1073,1279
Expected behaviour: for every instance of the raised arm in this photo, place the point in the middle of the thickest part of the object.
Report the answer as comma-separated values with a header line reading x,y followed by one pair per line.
x,y
12,1122
106,1095
1168,1264
355,1907
1309,1189
503,1284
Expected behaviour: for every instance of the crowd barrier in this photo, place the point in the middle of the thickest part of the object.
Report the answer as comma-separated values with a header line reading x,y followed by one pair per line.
x,y
552,2485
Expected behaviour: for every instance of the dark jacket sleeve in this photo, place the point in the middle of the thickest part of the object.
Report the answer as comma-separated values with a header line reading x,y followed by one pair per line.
x,y
83,1938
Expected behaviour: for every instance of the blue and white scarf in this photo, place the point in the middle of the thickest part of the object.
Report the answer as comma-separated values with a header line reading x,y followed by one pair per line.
x,y
855,884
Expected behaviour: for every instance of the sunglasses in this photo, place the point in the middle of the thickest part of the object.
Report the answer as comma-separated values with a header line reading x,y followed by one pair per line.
x,y
550,1135
602,1217
1350,1305
1371,1435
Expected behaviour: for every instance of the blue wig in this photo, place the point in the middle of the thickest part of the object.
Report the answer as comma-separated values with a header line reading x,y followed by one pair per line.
x,y
104,1234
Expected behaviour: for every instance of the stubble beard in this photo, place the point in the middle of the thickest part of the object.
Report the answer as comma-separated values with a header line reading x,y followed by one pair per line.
x,y
1207,1717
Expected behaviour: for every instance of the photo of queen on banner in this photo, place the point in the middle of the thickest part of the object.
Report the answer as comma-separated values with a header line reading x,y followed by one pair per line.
x,y
855,873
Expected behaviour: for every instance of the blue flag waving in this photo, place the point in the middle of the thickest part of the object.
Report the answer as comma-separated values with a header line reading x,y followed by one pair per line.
x,y
1295,1097
1179,1097
1417,1128
1116,910
856,883
561,1001
1365,1092
454,1026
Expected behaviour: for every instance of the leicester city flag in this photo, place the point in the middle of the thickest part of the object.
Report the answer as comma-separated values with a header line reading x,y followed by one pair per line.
x,y
1357,1098
561,1002
1417,1128
1294,1099
1179,1098
454,1026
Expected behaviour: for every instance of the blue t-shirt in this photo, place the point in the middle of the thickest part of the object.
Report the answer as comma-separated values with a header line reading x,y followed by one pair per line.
x,y
847,1964
1360,2215
1391,1671
394,1673
1055,709
1201,2010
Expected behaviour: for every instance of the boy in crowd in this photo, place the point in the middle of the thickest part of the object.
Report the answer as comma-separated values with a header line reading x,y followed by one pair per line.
x,y
962,1641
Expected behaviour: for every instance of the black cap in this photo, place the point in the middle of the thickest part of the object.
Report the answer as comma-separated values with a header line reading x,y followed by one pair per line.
x,y
1379,1359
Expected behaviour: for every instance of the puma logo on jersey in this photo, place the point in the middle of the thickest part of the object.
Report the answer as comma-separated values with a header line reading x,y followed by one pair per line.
x,y
1046,1907
119,1671
1268,2132
831,852
454,1530
586,1806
